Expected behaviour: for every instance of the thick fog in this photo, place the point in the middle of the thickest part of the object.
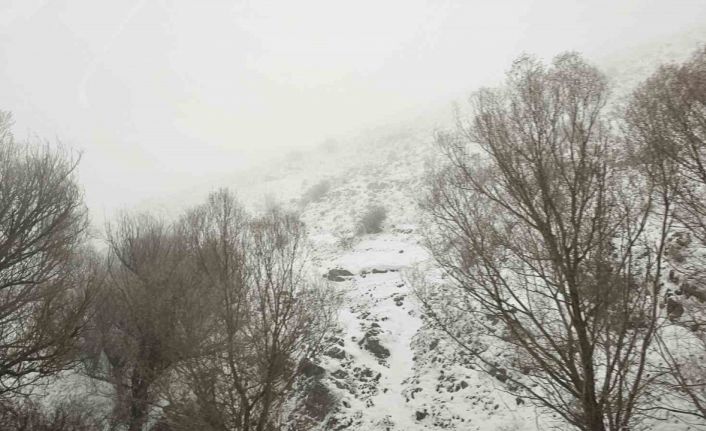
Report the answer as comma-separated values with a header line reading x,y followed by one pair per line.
x,y
163,94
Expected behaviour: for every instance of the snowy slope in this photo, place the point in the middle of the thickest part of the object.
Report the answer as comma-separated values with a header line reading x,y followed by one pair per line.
x,y
388,368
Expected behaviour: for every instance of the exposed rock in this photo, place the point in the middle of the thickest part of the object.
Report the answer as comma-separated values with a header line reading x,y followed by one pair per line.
x,y
310,369
314,404
404,230
683,238
340,374
499,373
376,186
373,346
336,352
341,384
674,308
691,290
336,424
371,343
318,402
366,373
338,274
676,247
337,340
421,415
673,277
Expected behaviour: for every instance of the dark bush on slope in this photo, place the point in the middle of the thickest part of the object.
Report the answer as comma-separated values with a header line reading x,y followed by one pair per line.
x,y
316,192
372,220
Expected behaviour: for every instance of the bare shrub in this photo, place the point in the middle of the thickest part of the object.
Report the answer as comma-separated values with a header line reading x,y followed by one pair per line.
x,y
316,192
372,220
345,240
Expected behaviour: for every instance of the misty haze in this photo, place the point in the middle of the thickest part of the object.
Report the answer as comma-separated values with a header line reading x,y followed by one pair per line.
x,y
255,215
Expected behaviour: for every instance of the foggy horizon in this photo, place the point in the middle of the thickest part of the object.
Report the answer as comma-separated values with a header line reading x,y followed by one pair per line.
x,y
162,95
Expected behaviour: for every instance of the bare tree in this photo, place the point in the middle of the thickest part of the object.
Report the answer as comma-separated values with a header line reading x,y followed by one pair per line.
x,y
666,126
44,273
150,316
543,235
667,121
269,317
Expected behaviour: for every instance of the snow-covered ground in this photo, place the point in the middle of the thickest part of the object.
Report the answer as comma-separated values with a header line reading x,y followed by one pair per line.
x,y
389,369
390,378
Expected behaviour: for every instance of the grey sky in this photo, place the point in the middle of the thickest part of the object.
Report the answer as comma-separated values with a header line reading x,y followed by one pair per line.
x,y
163,93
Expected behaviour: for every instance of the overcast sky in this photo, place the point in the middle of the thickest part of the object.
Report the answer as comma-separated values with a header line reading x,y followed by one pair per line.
x,y
162,93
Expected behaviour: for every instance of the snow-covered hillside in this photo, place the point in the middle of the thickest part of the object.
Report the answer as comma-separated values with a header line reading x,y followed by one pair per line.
x,y
387,367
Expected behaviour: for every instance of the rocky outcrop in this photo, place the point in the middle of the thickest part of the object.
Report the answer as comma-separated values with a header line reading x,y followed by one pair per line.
x,y
371,343
338,274
341,272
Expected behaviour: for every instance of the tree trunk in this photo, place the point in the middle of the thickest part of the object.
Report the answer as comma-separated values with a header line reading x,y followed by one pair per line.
x,y
139,404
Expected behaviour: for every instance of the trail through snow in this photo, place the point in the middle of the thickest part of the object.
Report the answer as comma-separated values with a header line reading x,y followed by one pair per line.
x,y
379,298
